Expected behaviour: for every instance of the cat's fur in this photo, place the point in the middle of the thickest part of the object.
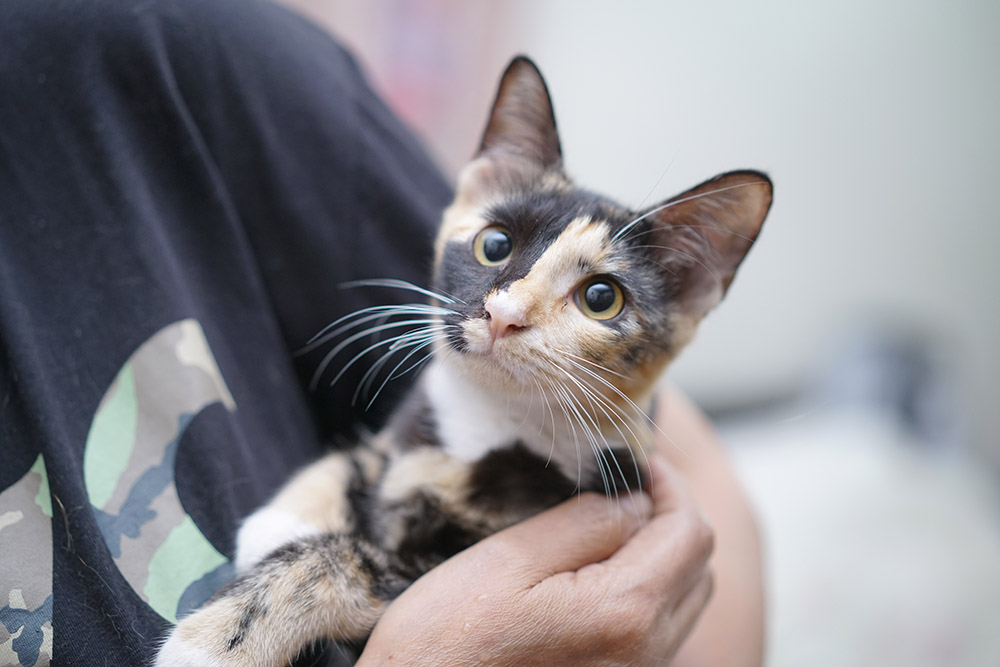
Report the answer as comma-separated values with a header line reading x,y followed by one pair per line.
x,y
527,400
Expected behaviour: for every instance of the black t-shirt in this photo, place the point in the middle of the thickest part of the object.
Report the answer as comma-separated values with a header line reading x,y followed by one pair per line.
x,y
184,187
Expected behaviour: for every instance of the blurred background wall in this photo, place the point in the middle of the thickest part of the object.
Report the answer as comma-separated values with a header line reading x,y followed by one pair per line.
x,y
875,279
877,121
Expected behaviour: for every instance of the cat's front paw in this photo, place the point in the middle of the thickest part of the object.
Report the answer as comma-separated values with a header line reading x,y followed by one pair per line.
x,y
211,637
176,652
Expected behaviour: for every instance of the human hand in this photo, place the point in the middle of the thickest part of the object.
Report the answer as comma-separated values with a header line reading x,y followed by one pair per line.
x,y
730,630
590,582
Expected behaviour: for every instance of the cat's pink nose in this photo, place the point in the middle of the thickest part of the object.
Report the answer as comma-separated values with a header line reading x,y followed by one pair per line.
x,y
505,315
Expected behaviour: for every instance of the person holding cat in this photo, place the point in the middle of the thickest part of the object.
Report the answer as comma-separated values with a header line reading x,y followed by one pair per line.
x,y
184,186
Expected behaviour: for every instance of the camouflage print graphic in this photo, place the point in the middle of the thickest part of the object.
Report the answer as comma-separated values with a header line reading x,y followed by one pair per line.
x,y
129,469
26,570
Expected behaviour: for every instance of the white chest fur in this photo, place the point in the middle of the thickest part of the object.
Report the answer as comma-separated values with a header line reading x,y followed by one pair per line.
x,y
473,420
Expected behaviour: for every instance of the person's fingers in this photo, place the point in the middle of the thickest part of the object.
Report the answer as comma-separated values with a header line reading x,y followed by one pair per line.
x,y
677,621
583,530
670,550
667,488
688,610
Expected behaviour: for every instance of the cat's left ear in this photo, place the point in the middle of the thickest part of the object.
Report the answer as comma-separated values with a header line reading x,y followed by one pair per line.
x,y
706,232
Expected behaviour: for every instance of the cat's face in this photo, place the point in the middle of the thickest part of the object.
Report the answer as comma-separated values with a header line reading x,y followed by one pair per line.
x,y
554,285
543,286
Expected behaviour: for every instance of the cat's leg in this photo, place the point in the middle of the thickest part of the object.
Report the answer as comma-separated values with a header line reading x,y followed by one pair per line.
x,y
314,502
332,586
302,573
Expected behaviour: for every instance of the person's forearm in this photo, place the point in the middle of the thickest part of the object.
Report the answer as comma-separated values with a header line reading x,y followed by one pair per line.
x,y
731,630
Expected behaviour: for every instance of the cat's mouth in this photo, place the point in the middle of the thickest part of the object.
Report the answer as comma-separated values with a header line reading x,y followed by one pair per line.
x,y
483,337
491,347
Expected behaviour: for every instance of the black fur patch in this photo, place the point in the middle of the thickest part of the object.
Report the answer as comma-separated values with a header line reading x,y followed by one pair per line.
x,y
361,497
622,472
251,613
516,479
432,535
373,562
345,556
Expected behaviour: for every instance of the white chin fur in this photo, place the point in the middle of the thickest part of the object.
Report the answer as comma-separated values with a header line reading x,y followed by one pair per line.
x,y
501,366
264,531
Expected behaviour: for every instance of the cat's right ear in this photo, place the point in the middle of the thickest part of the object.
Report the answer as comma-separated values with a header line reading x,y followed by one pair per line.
x,y
520,139
704,234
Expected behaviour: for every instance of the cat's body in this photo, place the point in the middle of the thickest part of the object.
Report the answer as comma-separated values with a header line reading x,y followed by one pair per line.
x,y
555,311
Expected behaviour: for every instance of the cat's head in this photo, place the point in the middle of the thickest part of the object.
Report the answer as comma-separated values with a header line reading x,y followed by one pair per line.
x,y
551,280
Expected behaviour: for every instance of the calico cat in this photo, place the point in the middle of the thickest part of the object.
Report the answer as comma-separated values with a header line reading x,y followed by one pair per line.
x,y
554,312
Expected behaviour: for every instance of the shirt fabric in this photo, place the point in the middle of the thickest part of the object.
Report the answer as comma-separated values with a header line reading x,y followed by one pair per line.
x,y
184,188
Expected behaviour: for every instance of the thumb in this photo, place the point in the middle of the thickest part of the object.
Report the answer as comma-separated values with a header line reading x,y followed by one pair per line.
x,y
583,530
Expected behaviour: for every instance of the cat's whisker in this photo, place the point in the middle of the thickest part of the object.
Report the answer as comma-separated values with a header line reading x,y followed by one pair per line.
x,y
328,358
609,457
660,265
592,363
400,284
443,335
616,411
407,339
613,388
508,405
564,399
632,403
382,310
592,430
592,395
368,378
541,428
341,325
715,228
688,255
576,437
527,410
429,340
657,184
441,326
552,417
587,390
637,412
624,230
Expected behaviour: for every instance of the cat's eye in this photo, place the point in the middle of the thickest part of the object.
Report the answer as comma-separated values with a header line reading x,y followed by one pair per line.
x,y
600,298
492,246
